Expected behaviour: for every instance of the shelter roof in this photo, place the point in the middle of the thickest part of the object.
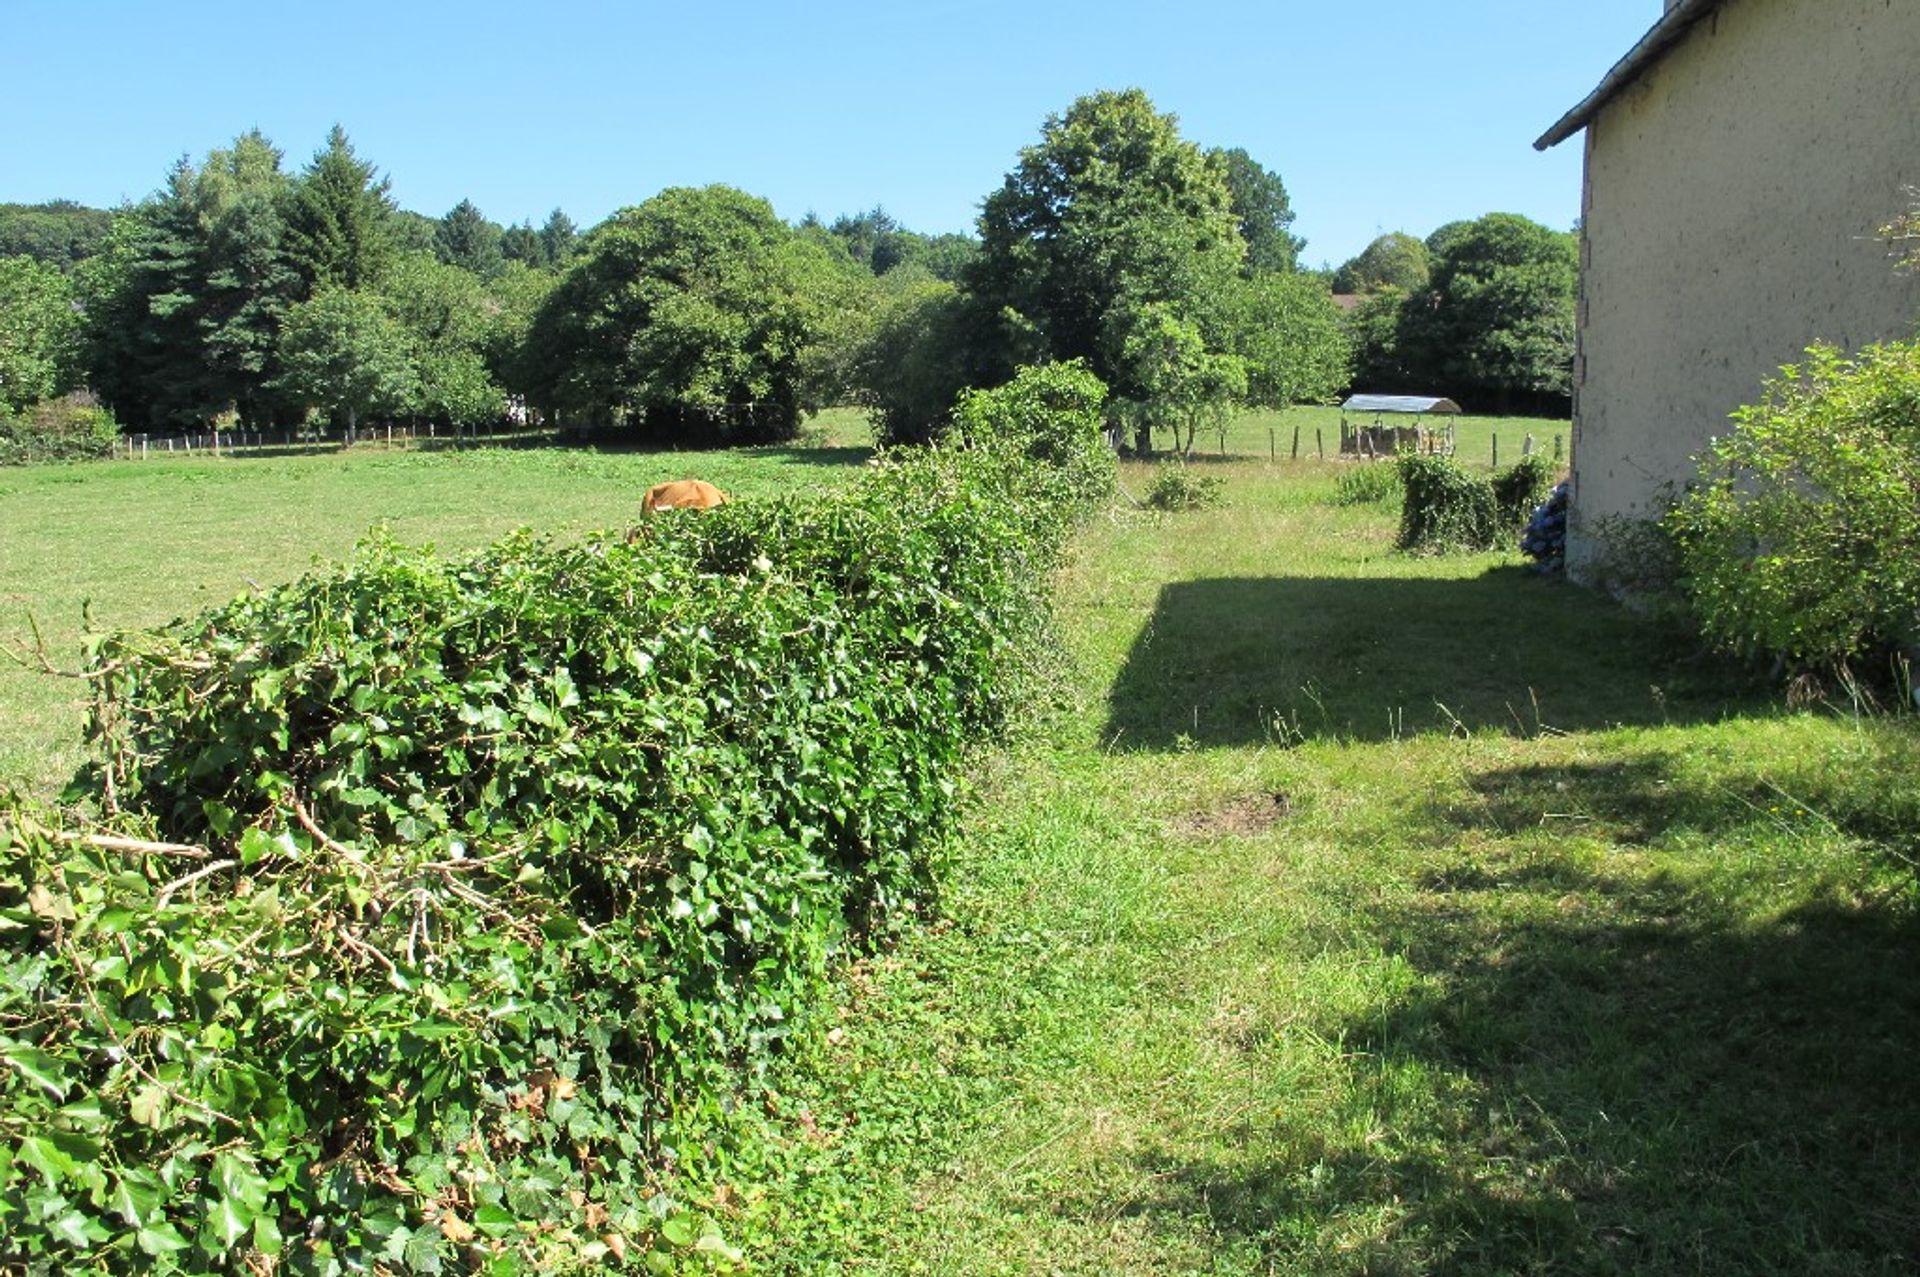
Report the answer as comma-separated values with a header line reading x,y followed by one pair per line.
x,y
1398,403
1669,31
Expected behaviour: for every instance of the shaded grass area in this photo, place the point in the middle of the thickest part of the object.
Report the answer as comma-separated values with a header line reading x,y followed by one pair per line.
x,y
1625,988
1253,660
139,542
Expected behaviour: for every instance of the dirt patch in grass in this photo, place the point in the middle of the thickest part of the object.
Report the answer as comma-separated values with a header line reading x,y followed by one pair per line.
x,y
1241,815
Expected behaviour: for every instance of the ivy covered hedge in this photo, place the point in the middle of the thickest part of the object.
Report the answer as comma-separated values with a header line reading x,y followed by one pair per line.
x,y
1444,507
436,895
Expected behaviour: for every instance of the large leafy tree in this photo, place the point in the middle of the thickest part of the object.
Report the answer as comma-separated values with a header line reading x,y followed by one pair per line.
x,y
1373,328
343,354
447,315
919,353
1497,320
39,331
687,318
1113,232
341,224
1394,260
1289,334
1264,211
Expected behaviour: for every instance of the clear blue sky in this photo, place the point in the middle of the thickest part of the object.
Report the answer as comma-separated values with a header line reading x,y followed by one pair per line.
x,y
1378,114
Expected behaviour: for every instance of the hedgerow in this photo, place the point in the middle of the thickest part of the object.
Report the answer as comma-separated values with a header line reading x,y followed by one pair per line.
x,y
435,897
71,428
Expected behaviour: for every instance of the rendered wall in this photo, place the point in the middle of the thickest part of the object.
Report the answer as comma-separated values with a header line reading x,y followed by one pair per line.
x,y
1732,195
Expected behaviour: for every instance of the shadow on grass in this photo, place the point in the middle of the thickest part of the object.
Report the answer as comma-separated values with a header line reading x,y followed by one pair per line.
x,y
1636,801
794,455
1242,661
1636,1077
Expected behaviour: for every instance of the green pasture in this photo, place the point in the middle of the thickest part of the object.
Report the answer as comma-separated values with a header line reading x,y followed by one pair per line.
x,y
136,543
1342,912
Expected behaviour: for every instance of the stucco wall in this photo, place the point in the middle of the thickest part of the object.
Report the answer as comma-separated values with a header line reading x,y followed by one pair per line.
x,y
1732,195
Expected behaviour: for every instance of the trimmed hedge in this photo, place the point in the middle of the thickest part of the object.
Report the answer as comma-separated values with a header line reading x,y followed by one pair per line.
x,y
491,873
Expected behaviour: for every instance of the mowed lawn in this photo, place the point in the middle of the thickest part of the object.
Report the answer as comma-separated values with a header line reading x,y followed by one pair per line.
x,y
1366,914
137,543
1341,913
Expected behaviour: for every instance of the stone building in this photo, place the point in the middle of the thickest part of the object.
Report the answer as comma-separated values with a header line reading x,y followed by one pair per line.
x,y
1738,161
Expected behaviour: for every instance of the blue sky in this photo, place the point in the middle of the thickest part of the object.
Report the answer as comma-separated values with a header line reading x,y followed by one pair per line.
x,y
1379,115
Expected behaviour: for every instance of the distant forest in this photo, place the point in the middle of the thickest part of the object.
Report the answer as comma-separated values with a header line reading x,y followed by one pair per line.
x,y
245,292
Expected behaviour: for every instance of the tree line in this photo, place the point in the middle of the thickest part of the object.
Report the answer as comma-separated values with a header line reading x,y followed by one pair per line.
x,y
1482,311
243,293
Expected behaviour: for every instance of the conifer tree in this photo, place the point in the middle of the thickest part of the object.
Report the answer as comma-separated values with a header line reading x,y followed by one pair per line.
x,y
340,219
465,238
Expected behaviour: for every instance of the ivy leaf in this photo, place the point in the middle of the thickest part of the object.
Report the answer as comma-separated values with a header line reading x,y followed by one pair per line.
x,y
494,1221
78,1230
39,1068
161,1238
266,1236
41,1154
149,1107
229,1221
135,1197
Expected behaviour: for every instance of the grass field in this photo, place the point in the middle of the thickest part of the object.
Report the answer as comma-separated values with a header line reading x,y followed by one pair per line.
x,y
1349,913
1365,914
136,543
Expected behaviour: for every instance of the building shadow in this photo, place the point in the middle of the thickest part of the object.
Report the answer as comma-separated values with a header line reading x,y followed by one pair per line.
x,y
1635,1076
1242,661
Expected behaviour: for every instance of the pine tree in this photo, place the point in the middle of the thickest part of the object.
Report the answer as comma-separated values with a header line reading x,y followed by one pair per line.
x,y
339,220
559,239
465,238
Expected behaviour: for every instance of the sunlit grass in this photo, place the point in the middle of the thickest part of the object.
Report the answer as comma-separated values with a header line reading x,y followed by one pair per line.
x,y
139,542
1615,982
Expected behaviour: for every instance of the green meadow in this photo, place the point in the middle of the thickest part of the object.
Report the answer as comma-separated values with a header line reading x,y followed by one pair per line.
x,y
1340,912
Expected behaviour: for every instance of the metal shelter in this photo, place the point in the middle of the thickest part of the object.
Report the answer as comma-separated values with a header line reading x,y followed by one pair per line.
x,y
1381,440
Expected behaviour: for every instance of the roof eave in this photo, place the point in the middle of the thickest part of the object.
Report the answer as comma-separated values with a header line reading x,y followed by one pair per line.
x,y
1666,33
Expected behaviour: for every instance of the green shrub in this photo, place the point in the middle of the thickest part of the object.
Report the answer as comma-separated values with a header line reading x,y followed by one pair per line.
x,y
1799,541
1368,484
1178,487
490,876
1445,507
1521,488
1050,415
71,428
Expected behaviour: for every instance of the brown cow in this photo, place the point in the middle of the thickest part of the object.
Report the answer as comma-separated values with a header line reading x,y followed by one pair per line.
x,y
682,494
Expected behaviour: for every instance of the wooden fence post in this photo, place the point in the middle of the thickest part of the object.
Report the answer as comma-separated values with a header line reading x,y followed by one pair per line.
x,y
1296,441
1320,442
